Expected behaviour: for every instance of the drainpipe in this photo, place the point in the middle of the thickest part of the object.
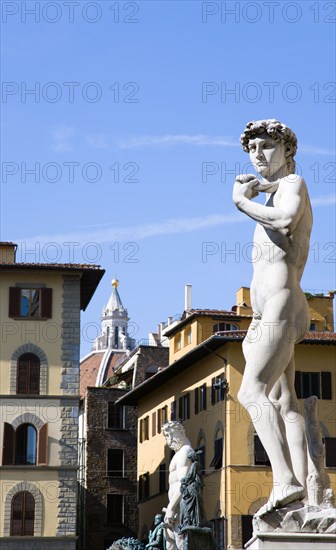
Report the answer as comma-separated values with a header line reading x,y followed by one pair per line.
x,y
225,383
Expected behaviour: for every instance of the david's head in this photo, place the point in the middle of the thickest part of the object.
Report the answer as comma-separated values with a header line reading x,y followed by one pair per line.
x,y
270,144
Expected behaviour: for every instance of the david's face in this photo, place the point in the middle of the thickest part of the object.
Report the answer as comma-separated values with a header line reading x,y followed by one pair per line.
x,y
267,156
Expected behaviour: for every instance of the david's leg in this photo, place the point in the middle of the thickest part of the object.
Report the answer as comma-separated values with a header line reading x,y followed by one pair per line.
x,y
266,360
284,399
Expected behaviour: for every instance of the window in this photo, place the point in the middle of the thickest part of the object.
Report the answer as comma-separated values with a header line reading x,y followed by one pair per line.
x,y
153,424
330,452
173,410
115,509
22,514
115,416
218,524
144,486
25,446
200,399
30,303
115,462
247,528
218,458
187,336
28,374
144,429
218,388
178,342
116,337
162,478
220,327
312,327
201,456
260,455
162,418
313,383
150,371
184,407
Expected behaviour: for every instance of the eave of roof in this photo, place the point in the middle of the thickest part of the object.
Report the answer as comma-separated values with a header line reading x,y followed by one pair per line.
x,y
199,352
89,280
217,314
202,350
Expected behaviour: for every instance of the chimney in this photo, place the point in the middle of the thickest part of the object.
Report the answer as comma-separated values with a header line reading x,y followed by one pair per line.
x,y
158,330
170,320
187,297
7,252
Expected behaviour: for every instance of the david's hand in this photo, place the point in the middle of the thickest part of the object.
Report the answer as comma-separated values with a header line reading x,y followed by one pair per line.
x,y
245,187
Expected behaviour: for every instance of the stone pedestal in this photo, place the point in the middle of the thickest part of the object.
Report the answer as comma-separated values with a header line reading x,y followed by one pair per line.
x,y
198,538
291,541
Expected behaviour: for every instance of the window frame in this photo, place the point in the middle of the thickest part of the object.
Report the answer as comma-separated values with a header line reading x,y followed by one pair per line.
x,y
27,378
260,455
304,384
119,500
113,473
184,407
23,513
45,302
217,461
115,412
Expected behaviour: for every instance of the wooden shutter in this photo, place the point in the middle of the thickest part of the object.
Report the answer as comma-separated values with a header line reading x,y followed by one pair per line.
x,y
46,303
173,410
330,450
43,445
14,302
298,384
326,385
34,375
29,513
204,397
22,374
8,445
153,424
17,514
196,400
213,391
180,408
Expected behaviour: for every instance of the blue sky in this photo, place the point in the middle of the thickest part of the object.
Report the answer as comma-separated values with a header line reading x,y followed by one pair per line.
x,y
134,137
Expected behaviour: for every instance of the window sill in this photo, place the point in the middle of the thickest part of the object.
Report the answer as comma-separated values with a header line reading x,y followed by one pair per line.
x,y
31,318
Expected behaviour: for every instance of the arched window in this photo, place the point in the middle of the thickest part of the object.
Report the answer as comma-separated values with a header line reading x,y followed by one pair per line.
x,y
22,514
26,444
107,336
116,337
217,460
28,374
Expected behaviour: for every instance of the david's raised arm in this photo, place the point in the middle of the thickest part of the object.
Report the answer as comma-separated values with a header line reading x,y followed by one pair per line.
x,y
284,217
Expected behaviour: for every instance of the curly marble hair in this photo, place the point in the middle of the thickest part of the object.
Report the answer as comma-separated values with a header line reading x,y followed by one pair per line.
x,y
276,130
175,428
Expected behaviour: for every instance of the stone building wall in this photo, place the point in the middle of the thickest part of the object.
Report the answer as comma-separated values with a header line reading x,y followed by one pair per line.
x,y
99,438
150,355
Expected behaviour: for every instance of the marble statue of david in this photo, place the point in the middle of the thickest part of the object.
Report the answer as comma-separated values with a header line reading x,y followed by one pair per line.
x,y
280,310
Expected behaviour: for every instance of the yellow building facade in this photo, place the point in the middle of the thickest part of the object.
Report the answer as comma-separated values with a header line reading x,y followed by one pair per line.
x,y
200,387
39,376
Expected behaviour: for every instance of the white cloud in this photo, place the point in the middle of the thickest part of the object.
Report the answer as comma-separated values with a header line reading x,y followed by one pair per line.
x,y
177,139
324,201
98,141
137,232
61,136
310,149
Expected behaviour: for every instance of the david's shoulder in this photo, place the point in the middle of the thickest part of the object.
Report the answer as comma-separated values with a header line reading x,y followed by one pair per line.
x,y
293,182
